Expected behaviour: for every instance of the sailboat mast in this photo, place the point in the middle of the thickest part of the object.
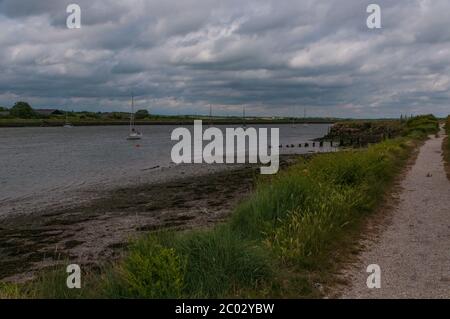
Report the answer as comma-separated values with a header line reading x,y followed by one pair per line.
x,y
293,116
132,114
210,115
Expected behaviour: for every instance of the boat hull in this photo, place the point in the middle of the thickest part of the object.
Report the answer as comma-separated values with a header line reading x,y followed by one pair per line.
x,y
134,137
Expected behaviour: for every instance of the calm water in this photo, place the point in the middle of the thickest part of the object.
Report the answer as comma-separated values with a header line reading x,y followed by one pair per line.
x,y
35,161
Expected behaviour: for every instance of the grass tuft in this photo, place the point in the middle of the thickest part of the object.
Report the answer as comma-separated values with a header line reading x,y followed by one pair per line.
x,y
148,271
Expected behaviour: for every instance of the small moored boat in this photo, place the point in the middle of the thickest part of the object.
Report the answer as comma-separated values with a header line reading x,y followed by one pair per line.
x,y
134,134
67,124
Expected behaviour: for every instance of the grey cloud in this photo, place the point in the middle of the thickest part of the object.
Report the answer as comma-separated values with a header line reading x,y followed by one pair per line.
x,y
180,56
23,8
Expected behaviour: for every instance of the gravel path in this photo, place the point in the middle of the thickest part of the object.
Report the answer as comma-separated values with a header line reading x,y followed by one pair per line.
x,y
413,252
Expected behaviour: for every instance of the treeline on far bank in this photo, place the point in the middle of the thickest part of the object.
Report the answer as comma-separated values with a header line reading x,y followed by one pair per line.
x,y
22,114
285,240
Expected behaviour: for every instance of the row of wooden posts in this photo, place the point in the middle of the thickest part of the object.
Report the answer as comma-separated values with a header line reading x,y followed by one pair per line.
x,y
352,142
306,145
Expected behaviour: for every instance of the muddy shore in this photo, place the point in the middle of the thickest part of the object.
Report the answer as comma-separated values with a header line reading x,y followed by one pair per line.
x,y
98,227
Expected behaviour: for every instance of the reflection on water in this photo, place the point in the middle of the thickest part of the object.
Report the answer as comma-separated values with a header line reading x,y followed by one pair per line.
x,y
40,160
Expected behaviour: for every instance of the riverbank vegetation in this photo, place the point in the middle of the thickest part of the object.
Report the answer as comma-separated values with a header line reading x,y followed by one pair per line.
x,y
153,120
23,115
360,133
285,240
446,146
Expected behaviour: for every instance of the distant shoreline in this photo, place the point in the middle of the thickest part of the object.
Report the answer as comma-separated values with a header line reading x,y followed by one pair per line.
x,y
57,123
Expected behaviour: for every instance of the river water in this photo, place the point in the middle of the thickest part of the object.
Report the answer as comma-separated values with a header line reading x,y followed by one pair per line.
x,y
42,160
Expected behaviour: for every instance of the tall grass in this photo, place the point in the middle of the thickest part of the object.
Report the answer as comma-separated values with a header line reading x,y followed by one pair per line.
x,y
284,230
446,146
10,291
148,271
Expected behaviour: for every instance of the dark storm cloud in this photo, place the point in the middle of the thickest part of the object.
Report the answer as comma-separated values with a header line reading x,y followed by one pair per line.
x,y
273,56
23,8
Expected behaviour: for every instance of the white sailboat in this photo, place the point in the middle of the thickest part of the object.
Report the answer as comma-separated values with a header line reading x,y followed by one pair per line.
x,y
134,134
67,124
210,116
293,117
304,118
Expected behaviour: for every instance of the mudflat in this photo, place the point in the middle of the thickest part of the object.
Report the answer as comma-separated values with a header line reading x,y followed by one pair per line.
x,y
93,230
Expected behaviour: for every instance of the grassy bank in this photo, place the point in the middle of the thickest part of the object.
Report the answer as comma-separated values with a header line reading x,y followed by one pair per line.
x,y
280,242
446,146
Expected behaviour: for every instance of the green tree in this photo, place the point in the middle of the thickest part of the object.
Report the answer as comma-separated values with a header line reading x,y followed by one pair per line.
x,y
116,116
22,110
142,114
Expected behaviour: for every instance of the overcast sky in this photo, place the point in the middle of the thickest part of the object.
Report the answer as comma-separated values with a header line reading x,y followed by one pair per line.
x,y
276,57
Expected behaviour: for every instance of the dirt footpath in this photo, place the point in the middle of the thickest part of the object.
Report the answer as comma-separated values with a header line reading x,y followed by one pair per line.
x,y
414,250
